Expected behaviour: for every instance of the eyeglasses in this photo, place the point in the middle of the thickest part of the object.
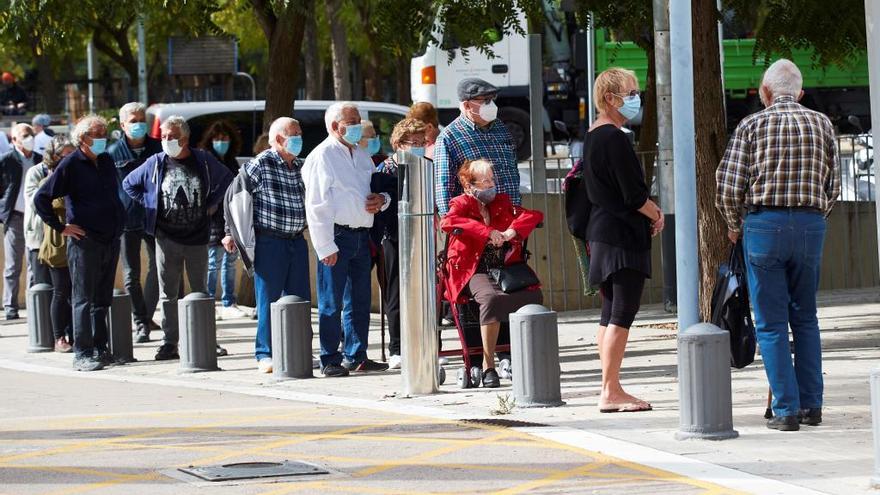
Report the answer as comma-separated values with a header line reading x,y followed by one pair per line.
x,y
632,93
484,182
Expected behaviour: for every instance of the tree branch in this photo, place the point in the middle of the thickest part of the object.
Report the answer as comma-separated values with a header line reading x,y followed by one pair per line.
x,y
265,17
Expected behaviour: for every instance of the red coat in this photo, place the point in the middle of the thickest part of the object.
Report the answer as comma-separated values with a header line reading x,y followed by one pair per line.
x,y
463,253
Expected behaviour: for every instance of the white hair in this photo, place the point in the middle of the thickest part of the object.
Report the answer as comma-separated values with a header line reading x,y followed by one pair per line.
x,y
278,126
84,125
130,108
178,122
783,78
481,167
334,113
19,129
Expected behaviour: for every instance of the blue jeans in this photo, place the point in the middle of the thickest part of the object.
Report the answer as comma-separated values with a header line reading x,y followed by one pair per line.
x,y
344,299
227,272
281,267
783,256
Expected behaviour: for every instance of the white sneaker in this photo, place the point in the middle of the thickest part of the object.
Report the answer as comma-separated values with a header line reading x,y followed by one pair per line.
x,y
394,362
234,312
442,361
264,365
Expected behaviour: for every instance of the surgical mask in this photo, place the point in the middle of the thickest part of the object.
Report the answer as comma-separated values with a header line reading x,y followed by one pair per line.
x,y
293,145
631,105
489,111
419,151
487,195
99,145
221,147
171,147
373,145
137,130
353,134
28,143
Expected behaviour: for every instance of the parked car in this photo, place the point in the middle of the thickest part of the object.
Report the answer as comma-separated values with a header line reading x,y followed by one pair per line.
x,y
247,115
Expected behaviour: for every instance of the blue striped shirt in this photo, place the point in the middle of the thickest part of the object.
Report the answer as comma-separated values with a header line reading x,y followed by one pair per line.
x,y
463,140
278,192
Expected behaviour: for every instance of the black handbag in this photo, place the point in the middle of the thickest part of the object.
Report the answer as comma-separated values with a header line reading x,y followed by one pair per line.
x,y
730,308
514,277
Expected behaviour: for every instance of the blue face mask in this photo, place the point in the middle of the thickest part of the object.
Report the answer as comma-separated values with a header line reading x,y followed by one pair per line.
x,y
631,106
137,130
353,134
373,145
419,151
487,195
98,145
294,145
221,147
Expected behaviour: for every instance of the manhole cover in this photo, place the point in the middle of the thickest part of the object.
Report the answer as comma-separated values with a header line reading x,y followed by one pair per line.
x,y
506,423
250,470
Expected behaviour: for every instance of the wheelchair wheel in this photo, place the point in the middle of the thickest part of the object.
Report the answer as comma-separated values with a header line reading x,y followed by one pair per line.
x,y
505,369
476,376
463,378
441,375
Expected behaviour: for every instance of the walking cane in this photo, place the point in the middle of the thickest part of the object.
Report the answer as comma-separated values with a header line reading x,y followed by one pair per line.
x,y
768,413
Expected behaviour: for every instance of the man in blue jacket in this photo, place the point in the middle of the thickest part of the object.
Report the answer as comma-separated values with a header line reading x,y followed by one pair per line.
x,y
130,152
180,188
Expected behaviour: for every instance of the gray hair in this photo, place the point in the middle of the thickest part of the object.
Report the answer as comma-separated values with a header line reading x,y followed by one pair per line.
x,y
53,149
84,125
783,78
18,129
278,127
129,108
178,122
334,112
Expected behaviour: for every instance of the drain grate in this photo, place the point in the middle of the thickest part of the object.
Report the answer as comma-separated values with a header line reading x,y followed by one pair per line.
x,y
252,470
505,423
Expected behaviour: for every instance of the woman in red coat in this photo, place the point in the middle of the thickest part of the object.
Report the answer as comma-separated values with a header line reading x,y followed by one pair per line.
x,y
492,234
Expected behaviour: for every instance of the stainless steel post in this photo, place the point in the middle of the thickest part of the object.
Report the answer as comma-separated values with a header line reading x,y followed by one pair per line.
x,y
534,348
536,112
119,323
417,274
291,338
872,18
198,333
39,320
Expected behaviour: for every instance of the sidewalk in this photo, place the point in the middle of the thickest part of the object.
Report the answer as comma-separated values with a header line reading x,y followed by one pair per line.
x,y
836,457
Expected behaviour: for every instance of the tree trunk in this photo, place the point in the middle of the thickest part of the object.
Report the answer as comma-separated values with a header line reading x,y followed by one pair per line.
x,y
314,71
48,86
711,138
373,77
285,36
648,132
339,49
403,90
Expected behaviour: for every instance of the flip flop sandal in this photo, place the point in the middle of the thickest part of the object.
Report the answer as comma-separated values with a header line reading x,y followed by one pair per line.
x,y
626,407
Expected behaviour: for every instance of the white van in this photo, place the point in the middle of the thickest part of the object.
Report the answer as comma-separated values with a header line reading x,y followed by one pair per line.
x,y
247,115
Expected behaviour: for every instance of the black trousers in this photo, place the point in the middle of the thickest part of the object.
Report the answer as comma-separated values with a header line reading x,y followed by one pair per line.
x,y
61,312
621,297
92,270
391,295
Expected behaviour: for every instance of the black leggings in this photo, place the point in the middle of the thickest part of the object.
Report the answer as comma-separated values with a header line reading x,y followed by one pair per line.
x,y
621,297
61,313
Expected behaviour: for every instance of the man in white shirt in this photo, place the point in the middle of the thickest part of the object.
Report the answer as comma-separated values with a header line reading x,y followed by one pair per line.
x,y
339,211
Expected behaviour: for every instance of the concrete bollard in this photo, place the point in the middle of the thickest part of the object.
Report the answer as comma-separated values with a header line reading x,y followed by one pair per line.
x,y
705,407
534,348
875,421
198,333
119,323
39,321
291,338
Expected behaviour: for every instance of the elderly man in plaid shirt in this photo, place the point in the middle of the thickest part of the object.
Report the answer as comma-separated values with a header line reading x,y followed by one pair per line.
x,y
476,133
780,167
281,261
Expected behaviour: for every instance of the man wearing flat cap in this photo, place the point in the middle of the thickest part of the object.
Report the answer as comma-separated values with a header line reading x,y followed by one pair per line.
x,y
476,133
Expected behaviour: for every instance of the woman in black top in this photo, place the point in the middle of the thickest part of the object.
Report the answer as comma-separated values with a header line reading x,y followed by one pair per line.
x,y
622,221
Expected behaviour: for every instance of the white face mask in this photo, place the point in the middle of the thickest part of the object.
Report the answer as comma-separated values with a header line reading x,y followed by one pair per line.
x,y
27,143
171,147
489,111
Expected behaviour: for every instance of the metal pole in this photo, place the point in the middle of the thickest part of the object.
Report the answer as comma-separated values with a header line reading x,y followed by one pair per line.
x,y
536,113
254,99
142,61
92,66
872,16
418,306
591,70
665,175
684,154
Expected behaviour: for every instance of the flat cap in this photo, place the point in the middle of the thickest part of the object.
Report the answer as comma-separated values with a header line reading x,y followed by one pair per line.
x,y
474,87
42,119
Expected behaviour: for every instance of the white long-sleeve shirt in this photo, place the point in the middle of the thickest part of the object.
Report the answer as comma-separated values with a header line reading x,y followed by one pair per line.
x,y
337,181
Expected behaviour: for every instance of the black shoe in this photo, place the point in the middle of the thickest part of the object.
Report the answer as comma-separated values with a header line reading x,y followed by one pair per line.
x,y
143,335
152,325
784,423
167,352
811,416
365,366
105,357
87,363
221,351
490,378
334,370
11,314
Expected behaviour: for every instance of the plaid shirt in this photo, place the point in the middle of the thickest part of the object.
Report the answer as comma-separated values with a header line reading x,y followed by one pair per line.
x,y
463,140
278,192
784,155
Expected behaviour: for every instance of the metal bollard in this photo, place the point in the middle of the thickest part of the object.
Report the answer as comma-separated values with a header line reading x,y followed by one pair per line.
x,y
119,323
875,420
291,338
705,407
198,333
534,348
39,321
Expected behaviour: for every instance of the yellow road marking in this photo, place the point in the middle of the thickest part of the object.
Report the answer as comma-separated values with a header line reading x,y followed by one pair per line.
x,y
552,479
104,484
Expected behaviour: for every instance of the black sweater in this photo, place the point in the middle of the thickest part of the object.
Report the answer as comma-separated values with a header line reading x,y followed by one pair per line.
x,y
615,183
